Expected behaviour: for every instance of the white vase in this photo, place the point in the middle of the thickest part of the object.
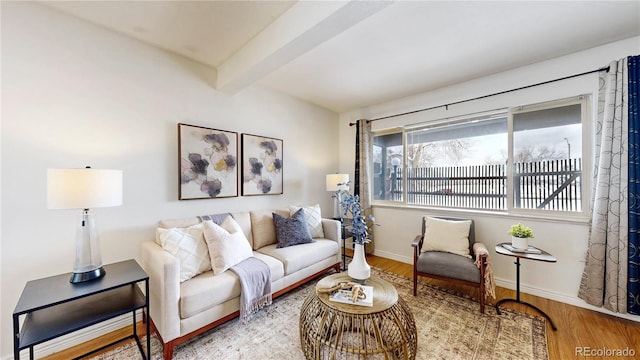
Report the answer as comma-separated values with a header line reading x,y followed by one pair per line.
x,y
519,243
359,270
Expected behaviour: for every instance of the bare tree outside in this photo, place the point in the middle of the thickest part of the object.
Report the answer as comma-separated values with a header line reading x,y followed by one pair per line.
x,y
538,153
451,152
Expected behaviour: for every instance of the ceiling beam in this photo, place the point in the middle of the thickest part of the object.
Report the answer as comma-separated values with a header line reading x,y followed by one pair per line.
x,y
303,27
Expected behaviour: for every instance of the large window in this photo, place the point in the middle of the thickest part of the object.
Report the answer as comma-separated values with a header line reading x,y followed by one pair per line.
x,y
524,159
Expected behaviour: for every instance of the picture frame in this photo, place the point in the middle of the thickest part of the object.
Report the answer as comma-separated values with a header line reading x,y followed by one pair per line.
x,y
262,165
208,163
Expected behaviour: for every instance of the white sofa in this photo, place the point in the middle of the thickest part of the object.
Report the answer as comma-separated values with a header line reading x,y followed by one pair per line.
x,y
179,311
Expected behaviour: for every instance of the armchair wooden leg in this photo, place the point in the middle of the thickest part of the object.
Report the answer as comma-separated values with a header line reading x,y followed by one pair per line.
x,y
415,282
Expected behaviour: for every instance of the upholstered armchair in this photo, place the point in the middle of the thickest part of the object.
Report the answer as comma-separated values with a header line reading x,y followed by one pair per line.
x,y
445,250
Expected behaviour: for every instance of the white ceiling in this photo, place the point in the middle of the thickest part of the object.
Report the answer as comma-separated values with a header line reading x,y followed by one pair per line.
x,y
345,55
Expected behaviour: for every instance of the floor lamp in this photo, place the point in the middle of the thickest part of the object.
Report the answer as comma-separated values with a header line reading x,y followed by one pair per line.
x,y
84,189
336,182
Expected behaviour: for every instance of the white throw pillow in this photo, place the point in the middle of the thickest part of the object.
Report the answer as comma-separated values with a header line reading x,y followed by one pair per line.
x,y
446,235
188,245
227,244
314,219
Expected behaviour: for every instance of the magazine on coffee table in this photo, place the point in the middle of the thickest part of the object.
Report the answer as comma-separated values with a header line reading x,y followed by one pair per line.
x,y
344,296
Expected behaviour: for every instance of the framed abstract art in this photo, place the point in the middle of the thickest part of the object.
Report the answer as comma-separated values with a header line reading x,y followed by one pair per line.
x,y
261,165
208,162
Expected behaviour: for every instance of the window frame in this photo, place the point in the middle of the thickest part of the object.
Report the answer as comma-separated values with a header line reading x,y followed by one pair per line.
x,y
585,120
392,131
587,154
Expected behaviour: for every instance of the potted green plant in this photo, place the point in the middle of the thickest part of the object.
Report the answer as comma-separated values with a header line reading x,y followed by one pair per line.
x,y
520,235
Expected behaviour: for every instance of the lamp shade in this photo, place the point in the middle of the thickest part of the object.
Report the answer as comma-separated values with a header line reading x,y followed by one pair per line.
x,y
334,179
83,188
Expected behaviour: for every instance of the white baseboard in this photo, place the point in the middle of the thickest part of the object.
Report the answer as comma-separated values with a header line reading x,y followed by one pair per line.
x,y
392,256
79,337
544,293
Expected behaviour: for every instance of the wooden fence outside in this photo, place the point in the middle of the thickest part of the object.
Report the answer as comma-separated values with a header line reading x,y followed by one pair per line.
x,y
550,185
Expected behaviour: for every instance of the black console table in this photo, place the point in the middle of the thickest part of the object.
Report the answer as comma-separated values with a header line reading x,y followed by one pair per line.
x,y
53,307
541,256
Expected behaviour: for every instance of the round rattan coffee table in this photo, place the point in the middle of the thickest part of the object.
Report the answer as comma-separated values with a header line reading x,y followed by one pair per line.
x,y
333,330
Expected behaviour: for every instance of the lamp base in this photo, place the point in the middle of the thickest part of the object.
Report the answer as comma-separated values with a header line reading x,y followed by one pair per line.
x,y
337,211
87,276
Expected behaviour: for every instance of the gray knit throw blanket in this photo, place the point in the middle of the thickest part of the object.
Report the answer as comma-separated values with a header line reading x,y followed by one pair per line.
x,y
255,286
216,218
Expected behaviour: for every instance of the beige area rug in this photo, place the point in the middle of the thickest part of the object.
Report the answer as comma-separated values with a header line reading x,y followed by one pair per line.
x,y
449,327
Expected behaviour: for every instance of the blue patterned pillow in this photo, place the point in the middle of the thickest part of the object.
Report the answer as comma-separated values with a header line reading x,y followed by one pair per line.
x,y
293,230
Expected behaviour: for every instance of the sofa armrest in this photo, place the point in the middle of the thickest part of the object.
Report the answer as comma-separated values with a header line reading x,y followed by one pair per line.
x,y
331,229
164,287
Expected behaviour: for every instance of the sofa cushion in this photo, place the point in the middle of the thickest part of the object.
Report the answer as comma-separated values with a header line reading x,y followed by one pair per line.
x,y
292,230
227,244
207,290
262,227
188,246
314,219
298,257
275,265
244,220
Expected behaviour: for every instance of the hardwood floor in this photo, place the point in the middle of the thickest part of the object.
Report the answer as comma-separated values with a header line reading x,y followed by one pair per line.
x,y
578,328
78,350
580,331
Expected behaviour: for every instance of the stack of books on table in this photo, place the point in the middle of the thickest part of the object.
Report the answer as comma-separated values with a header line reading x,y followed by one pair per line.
x,y
344,296
529,250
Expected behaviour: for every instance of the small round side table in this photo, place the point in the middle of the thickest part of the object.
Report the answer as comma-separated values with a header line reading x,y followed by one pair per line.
x,y
333,330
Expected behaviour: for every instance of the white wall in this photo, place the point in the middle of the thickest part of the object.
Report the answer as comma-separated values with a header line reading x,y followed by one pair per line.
x,y
74,94
566,239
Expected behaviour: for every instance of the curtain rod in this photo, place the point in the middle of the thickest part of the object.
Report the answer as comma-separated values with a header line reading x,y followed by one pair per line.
x,y
446,106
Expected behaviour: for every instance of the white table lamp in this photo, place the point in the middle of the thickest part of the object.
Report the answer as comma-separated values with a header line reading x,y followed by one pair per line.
x,y
85,189
336,182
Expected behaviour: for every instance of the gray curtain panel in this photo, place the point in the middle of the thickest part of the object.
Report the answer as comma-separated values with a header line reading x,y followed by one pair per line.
x,y
604,280
365,146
